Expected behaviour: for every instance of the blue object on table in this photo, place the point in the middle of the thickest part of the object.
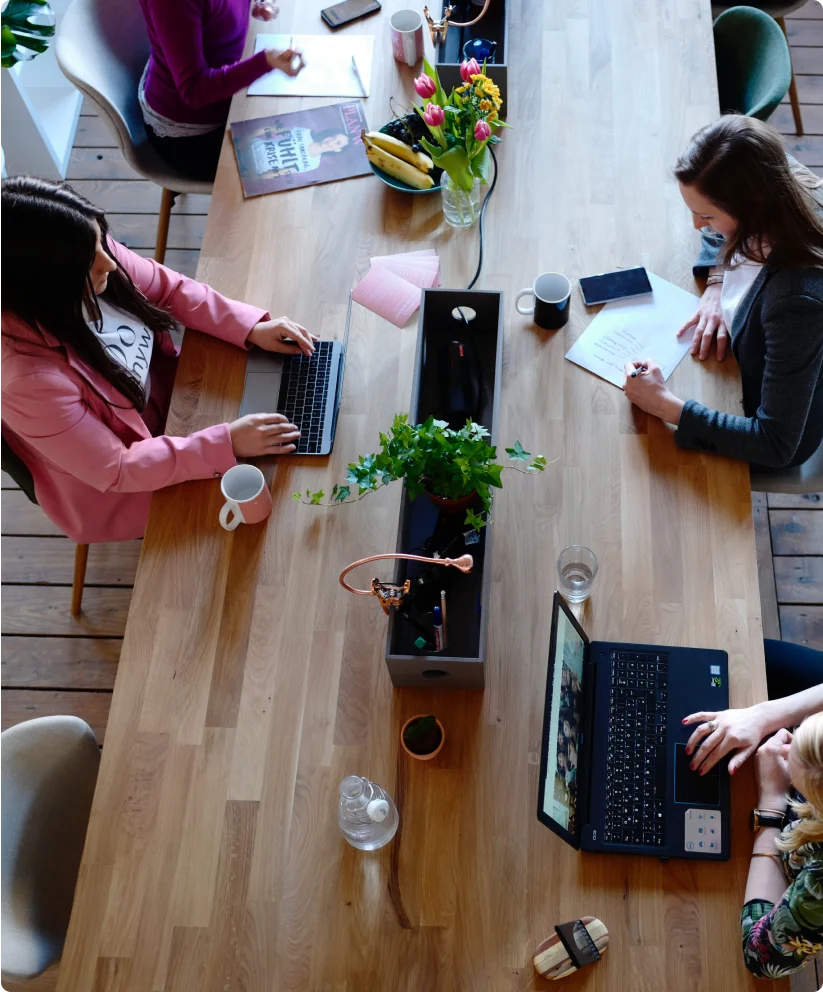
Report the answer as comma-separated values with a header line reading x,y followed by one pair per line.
x,y
481,49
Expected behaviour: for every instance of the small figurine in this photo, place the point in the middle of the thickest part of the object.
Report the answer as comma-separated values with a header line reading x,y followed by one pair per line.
x,y
572,946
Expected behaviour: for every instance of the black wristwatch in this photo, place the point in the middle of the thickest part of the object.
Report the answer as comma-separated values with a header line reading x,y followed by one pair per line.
x,y
767,818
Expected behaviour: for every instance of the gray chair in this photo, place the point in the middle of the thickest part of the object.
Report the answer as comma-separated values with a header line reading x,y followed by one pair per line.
x,y
805,478
102,47
778,11
49,771
14,466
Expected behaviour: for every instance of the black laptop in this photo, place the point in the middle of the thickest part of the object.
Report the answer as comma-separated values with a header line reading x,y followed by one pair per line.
x,y
614,773
306,389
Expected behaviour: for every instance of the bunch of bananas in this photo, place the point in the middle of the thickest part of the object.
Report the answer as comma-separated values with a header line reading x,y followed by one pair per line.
x,y
398,160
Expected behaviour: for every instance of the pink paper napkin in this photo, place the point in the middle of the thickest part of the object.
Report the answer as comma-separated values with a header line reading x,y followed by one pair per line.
x,y
424,276
388,295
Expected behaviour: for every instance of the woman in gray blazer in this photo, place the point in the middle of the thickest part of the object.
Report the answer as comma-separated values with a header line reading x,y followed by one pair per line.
x,y
762,255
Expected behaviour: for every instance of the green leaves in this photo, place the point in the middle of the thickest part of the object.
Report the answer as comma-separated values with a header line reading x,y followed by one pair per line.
x,y
27,27
433,458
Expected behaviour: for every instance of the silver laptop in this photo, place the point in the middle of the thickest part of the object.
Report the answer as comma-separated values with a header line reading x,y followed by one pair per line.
x,y
305,389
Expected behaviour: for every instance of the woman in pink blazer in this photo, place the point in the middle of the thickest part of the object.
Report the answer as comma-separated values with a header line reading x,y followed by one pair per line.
x,y
88,365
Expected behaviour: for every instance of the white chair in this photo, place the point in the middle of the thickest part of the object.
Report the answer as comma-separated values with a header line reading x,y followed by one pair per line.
x,y
103,47
49,771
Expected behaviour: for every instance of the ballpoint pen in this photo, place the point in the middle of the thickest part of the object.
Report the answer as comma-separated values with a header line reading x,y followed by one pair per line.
x,y
356,72
443,612
637,372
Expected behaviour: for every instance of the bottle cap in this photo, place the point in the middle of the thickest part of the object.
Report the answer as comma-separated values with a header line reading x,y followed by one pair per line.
x,y
420,643
377,810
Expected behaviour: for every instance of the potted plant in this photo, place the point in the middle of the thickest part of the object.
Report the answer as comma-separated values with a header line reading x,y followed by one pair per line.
x,y
462,126
458,470
422,737
26,30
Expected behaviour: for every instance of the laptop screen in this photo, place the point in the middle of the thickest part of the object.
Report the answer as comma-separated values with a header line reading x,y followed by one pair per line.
x,y
563,724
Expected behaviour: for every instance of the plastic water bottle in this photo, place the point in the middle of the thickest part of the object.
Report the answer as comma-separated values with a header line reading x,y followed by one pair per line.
x,y
367,816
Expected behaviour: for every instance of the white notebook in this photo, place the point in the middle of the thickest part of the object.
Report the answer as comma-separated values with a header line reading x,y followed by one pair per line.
x,y
642,327
329,70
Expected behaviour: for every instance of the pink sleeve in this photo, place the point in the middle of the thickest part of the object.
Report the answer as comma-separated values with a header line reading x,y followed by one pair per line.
x,y
193,303
179,28
47,410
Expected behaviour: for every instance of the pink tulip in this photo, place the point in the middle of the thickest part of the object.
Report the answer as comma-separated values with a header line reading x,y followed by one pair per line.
x,y
433,115
425,86
469,69
482,131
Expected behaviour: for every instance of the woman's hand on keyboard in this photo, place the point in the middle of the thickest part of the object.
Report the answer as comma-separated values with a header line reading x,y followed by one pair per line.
x,y
283,335
730,730
263,434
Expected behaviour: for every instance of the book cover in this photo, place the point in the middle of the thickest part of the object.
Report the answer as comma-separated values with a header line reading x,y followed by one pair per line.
x,y
304,148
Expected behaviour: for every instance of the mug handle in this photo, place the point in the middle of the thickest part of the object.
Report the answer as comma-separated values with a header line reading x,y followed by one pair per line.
x,y
524,292
235,521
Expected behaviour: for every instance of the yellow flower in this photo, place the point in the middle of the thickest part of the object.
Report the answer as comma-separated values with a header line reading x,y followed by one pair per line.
x,y
476,76
485,105
462,89
493,115
801,944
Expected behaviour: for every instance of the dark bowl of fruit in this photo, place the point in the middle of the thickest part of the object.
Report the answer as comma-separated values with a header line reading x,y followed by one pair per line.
x,y
398,159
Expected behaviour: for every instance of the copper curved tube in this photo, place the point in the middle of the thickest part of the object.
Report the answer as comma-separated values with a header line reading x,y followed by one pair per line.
x,y
465,563
468,24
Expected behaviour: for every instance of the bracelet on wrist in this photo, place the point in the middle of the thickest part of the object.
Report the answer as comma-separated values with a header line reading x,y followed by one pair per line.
x,y
714,281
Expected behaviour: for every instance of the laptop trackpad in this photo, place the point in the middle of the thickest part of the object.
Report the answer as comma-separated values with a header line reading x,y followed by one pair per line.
x,y
692,788
261,393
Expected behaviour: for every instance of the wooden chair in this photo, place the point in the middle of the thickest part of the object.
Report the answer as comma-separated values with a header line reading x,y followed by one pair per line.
x,y
19,472
49,771
103,47
778,11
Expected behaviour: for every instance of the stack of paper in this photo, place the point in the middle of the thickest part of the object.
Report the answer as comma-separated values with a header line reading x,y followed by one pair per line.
x,y
335,66
394,283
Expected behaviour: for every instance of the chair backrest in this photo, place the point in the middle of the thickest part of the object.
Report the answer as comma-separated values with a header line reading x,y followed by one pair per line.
x,y
102,47
14,466
754,68
49,771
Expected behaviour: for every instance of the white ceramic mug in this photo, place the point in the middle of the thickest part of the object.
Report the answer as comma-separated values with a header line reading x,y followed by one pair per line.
x,y
407,36
248,499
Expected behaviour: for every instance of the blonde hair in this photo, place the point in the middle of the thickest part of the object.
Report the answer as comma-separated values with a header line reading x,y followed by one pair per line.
x,y
807,747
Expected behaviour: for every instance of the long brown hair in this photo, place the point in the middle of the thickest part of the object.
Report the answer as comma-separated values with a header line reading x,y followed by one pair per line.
x,y
740,164
48,249
807,747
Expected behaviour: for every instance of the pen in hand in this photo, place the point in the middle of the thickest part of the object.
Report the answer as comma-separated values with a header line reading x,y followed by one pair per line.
x,y
637,372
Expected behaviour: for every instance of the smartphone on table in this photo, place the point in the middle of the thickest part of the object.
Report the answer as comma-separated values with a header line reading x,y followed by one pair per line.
x,y
614,286
350,10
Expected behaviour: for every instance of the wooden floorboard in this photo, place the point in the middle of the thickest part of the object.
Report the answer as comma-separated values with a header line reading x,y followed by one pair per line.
x,y
50,561
19,516
802,625
138,196
47,610
765,568
17,705
797,532
59,662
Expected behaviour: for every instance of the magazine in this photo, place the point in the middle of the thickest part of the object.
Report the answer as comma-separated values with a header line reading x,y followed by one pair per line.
x,y
304,148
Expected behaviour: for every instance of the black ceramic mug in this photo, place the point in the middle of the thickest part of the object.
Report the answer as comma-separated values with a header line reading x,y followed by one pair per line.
x,y
551,292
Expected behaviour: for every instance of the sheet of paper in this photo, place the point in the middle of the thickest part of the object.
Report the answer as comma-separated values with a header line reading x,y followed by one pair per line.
x,y
643,327
424,253
386,294
328,71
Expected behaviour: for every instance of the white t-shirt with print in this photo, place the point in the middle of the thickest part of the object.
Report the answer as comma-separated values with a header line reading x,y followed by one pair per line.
x,y
738,279
127,340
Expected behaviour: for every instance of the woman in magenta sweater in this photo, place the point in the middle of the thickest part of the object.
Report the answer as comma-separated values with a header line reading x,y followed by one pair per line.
x,y
194,69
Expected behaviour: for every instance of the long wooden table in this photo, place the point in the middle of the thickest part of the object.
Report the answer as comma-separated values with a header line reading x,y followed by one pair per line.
x,y
250,684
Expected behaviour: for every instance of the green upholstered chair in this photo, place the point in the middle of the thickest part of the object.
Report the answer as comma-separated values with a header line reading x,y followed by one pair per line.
x,y
14,466
778,9
754,68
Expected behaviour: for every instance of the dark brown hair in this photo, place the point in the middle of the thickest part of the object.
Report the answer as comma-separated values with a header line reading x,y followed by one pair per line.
x,y
48,249
740,164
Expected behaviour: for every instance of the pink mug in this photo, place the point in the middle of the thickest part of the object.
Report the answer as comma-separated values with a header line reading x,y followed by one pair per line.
x,y
248,499
407,36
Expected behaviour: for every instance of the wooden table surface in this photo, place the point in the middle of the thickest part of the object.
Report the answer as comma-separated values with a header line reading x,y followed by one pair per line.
x,y
250,684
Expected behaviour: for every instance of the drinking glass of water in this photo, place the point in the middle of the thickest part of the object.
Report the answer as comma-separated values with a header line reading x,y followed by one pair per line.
x,y
576,567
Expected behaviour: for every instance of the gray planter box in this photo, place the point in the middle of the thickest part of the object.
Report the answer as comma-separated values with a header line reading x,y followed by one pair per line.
x,y
422,529
494,27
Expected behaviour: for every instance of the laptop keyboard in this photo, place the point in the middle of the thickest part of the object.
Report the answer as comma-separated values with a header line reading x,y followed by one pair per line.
x,y
304,388
636,752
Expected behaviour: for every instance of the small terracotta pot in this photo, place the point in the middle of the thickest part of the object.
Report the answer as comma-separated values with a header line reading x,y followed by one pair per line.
x,y
422,757
451,507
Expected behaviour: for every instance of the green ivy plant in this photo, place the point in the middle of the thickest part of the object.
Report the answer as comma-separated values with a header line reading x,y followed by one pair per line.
x,y
431,458
26,30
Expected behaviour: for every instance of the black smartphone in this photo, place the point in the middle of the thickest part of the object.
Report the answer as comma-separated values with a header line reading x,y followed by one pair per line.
x,y
350,10
614,286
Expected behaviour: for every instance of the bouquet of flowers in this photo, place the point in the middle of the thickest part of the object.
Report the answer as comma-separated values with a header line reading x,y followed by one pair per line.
x,y
462,125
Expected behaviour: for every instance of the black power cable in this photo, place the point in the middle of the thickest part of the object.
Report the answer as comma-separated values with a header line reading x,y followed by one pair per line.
x,y
482,217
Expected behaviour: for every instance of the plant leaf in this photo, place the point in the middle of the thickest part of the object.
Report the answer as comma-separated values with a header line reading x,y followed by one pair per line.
x,y
317,497
480,165
518,453
474,520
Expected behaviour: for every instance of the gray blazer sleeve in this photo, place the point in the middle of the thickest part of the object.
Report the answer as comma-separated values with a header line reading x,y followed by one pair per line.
x,y
711,252
793,331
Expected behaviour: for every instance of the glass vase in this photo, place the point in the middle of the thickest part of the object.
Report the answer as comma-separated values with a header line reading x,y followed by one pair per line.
x,y
460,208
